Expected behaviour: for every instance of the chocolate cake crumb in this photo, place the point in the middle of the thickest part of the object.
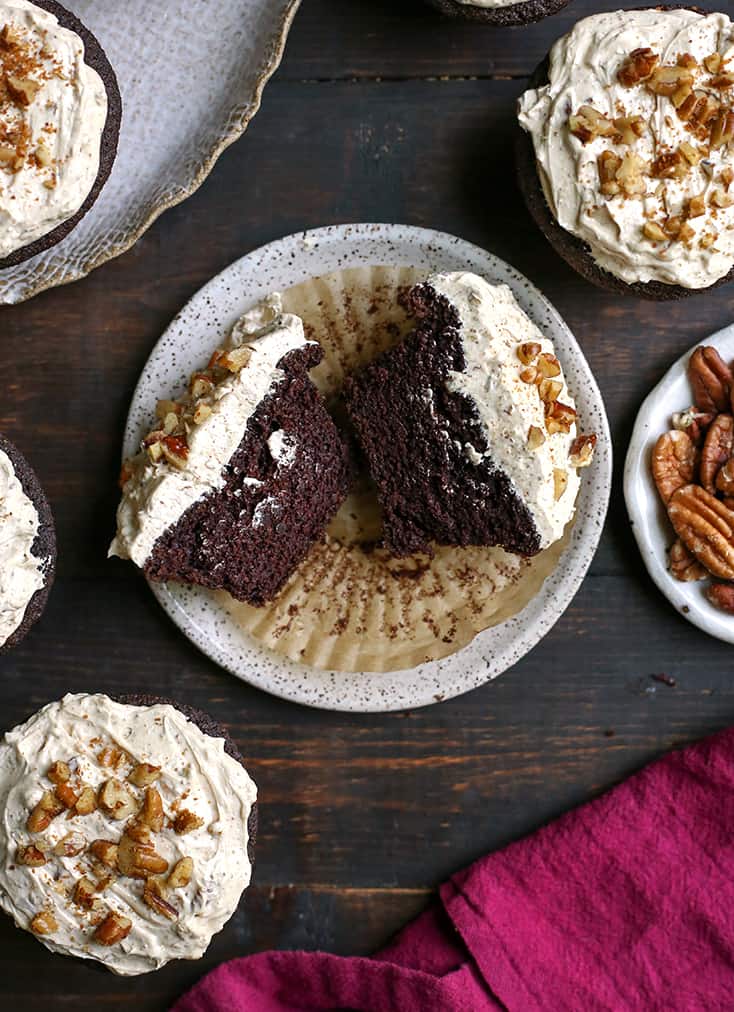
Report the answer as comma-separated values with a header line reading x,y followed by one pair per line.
x,y
247,538
412,430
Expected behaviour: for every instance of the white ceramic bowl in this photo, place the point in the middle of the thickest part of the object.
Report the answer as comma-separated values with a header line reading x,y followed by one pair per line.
x,y
647,514
278,266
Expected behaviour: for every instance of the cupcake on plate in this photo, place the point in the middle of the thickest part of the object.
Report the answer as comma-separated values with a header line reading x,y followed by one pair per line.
x,y
241,474
468,427
627,156
127,832
60,112
499,12
27,547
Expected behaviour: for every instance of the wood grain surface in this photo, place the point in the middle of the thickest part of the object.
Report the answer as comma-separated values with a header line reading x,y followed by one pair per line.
x,y
381,111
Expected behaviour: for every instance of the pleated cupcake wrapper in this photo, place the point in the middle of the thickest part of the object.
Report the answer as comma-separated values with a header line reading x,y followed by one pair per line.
x,y
351,606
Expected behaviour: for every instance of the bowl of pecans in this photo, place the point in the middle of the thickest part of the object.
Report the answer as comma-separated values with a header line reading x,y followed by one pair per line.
x,y
679,485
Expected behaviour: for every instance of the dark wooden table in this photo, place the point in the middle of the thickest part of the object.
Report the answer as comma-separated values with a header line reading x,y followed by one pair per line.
x,y
381,111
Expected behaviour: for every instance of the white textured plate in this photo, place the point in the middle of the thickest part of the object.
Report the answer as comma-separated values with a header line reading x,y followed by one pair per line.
x,y
647,514
191,74
189,341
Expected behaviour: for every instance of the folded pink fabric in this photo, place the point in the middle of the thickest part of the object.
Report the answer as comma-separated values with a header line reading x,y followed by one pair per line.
x,y
622,905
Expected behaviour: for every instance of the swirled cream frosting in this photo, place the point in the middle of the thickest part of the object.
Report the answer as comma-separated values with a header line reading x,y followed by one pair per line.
x,y
53,109
21,573
82,899
633,140
174,470
504,354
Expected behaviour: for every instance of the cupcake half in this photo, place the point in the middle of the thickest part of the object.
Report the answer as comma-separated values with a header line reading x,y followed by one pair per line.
x,y
127,829
60,112
499,12
242,474
27,547
468,427
627,156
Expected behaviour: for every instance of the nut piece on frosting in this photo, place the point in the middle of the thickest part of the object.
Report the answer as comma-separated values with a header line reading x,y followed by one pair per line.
x,y
113,929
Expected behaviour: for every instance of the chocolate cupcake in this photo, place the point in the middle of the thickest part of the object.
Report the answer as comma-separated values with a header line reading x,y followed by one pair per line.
x,y
27,547
60,112
242,474
468,427
626,153
499,12
127,832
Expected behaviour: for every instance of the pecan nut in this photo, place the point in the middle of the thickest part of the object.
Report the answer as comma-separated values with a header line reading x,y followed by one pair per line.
x,y
684,566
674,459
706,527
721,595
725,479
718,447
710,378
694,422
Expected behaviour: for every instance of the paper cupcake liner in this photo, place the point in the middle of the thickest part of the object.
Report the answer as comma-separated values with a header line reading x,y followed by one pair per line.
x,y
351,606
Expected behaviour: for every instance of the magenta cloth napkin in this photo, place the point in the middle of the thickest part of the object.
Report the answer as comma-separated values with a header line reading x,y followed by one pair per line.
x,y
624,904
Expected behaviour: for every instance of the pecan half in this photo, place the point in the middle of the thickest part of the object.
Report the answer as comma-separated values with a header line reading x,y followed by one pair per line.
x,y
721,595
674,459
718,447
706,527
710,378
136,855
684,566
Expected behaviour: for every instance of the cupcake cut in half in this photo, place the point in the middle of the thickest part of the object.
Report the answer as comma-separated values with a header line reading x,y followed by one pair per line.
x,y
468,427
243,473
27,547
627,157
127,830
499,12
60,112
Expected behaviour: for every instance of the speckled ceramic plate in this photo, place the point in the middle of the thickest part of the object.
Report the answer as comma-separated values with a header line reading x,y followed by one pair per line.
x,y
647,514
278,266
191,74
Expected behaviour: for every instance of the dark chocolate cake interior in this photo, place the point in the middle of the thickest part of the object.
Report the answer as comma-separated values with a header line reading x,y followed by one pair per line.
x,y
249,536
413,431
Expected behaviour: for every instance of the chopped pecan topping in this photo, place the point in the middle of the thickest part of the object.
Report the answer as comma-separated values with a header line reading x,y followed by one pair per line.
x,y
608,165
45,811
85,894
86,803
652,231
22,90
581,452
722,131
560,482
113,929
722,82
235,359
528,352
110,756
712,63
588,124
630,175
67,795
559,418
151,813
44,923
182,871
105,851
638,66
30,856
59,773
136,855
670,165
70,845
549,390
536,437
153,897
115,799
548,365
629,129
144,775
667,80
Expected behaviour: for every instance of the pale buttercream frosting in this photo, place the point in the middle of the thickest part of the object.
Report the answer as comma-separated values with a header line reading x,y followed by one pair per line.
x,y
49,145
583,71
492,328
157,493
196,774
21,573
